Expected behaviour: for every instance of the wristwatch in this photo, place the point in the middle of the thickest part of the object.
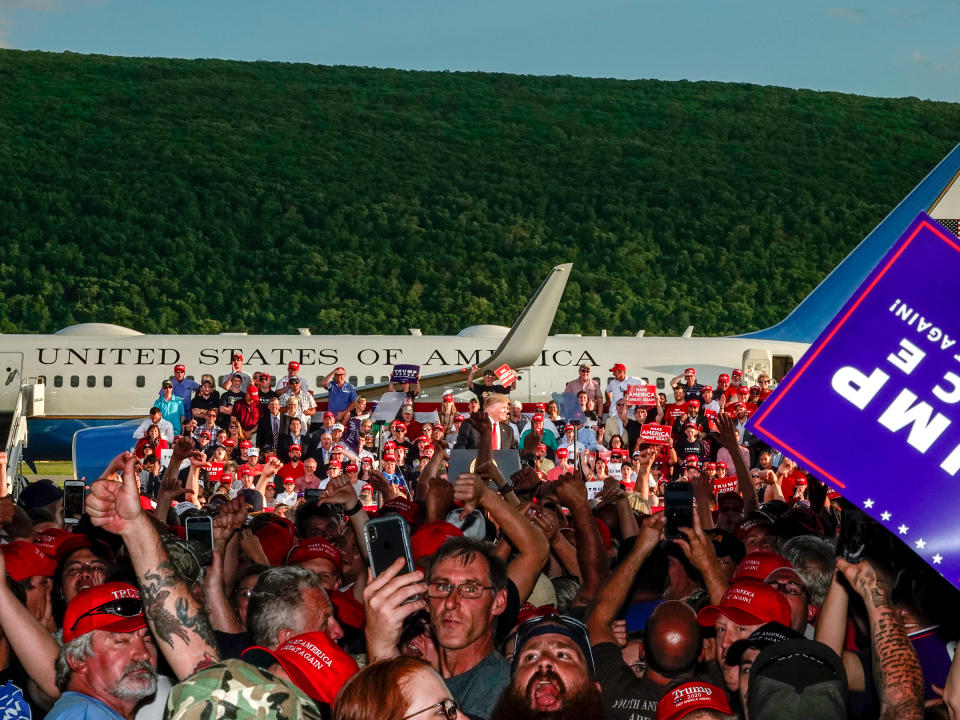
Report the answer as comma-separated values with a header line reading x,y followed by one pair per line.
x,y
354,510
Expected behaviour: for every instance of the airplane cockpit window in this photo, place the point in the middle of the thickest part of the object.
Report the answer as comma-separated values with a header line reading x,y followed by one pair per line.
x,y
74,381
781,366
368,380
141,381
91,381
58,380
108,380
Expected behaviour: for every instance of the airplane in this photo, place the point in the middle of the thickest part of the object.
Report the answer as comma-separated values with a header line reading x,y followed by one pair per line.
x,y
100,374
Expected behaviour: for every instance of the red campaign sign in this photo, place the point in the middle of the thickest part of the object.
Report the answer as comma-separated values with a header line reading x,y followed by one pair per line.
x,y
641,395
712,414
506,376
725,484
655,434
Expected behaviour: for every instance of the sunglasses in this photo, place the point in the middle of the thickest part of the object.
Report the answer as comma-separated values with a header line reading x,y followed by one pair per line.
x,y
122,607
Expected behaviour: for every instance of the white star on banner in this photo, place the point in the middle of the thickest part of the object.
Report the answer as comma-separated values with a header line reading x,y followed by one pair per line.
x,y
921,544
903,529
937,559
884,516
868,503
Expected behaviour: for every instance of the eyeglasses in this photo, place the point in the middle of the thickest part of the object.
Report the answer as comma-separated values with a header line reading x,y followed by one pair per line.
x,y
243,593
467,590
80,568
763,382
448,705
789,587
122,607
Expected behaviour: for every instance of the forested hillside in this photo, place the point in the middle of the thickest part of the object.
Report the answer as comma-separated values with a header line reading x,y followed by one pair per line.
x,y
200,196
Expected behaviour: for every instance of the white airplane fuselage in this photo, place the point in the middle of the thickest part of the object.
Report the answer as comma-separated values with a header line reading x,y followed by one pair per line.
x,y
91,376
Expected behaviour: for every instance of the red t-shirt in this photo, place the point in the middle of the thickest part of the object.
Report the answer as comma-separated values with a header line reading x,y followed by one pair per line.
x,y
672,411
289,471
728,483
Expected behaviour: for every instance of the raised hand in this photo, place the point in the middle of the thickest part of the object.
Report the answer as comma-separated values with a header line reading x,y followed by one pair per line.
x,y
727,432
228,520
115,505
385,600
339,491
570,489
469,489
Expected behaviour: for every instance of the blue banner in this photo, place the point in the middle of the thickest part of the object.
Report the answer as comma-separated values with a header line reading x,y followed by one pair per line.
x,y
870,407
405,374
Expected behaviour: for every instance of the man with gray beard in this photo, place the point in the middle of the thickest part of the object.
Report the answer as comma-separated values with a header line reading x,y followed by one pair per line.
x,y
108,663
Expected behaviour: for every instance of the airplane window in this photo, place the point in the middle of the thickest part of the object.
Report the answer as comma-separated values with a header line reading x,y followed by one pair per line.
x,y
645,381
91,381
108,381
319,383
141,381
74,381
384,378
368,380
661,383
58,380
352,379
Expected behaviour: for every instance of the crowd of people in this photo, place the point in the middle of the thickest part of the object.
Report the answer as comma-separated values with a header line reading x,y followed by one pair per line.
x,y
552,593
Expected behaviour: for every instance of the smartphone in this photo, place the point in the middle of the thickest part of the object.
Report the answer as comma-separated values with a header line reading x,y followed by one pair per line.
x,y
74,493
200,531
677,507
387,539
312,494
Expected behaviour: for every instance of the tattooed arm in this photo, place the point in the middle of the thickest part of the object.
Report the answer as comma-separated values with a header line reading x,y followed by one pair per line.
x,y
178,622
896,668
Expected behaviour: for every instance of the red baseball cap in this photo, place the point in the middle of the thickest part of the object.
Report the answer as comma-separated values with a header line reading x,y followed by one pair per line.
x,y
276,541
541,448
423,439
693,402
758,565
313,662
400,426
179,368
689,371
334,463
57,544
295,446
537,418
237,356
293,365
389,457
709,466
406,509
24,560
264,376
226,478
723,378
562,453
540,407
459,418
107,607
352,467
389,445
246,471
252,391
748,602
618,366
245,444
722,464
691,460
696,695
737,373
312,549
229,442
743,390
448,398
328,414
707,388
428,539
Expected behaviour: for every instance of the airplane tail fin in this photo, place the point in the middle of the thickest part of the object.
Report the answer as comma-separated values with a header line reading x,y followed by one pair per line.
x,y
938,195
522,344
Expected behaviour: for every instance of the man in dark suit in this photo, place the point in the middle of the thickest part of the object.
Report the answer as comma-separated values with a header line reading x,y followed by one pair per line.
x,y
269,429
497,409
293,436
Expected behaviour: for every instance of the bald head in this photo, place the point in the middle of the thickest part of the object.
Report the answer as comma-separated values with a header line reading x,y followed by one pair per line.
x,y
672,639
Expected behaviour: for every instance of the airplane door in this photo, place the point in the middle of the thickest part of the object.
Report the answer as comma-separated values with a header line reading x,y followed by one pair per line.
x,y
755,362
11,367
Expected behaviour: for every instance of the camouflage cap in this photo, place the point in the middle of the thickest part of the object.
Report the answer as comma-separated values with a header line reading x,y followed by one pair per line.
x,y
234,689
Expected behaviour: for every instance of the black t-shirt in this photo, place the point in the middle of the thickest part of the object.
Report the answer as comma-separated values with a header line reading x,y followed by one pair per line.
x,y
266,397
206,403
229,399
625,696
484,391
685,447
691,391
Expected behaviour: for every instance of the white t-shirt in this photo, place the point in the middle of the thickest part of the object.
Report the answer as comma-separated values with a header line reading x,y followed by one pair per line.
x,y
617,388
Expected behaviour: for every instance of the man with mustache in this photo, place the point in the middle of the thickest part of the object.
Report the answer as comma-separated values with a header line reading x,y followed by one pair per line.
x,y
553,673
108,663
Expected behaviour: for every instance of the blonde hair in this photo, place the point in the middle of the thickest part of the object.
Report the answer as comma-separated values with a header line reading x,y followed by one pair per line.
x,y
496,399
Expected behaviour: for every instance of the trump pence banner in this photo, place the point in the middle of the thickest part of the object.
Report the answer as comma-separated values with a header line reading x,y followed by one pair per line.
x,y
874,400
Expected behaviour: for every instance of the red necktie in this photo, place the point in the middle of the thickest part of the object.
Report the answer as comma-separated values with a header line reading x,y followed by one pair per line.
x,y
496,436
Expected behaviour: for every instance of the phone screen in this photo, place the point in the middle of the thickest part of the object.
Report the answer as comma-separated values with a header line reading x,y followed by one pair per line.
x,y
73,499
200,530
677,507
313,494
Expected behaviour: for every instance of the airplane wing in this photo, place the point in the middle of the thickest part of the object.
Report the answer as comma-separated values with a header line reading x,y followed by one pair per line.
x,y
520,347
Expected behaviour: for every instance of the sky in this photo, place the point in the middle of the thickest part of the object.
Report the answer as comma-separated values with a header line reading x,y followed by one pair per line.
x,y
889,48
